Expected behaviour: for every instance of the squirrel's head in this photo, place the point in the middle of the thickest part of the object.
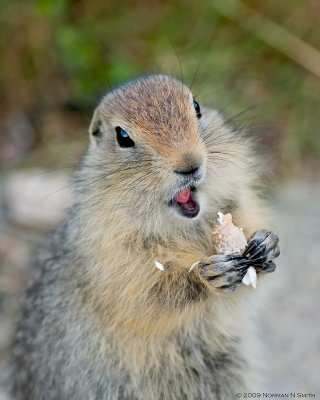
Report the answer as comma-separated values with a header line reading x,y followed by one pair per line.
x,y
151,157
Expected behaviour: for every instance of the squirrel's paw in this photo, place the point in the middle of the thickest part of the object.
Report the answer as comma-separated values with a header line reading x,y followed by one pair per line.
x,y
223,271
262,250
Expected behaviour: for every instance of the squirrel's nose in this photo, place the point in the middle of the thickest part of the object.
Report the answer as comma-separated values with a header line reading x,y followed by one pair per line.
x,y
192,170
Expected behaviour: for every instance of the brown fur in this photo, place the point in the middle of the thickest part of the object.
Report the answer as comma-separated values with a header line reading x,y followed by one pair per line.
x,y
101,322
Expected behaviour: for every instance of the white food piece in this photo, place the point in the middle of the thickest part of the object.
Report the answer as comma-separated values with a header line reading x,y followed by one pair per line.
x,y
193,265
220,218
250,277
159,265
228,238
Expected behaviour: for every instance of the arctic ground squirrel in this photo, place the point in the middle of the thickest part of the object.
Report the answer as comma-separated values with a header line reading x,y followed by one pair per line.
x,y
100,321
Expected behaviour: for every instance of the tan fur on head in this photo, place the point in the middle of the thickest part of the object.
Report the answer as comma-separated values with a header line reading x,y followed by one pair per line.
x,y
157,109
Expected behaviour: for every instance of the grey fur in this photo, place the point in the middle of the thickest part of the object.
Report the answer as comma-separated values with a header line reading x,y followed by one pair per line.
x,y
99,321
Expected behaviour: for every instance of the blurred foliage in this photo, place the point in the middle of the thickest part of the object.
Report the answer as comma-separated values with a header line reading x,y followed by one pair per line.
x,y
57,57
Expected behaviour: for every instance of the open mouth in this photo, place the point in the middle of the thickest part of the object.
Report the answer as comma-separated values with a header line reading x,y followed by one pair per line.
x,y
185,202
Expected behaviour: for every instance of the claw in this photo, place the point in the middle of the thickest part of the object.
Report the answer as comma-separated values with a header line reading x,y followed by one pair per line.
x,y
252,246
267,267
256,247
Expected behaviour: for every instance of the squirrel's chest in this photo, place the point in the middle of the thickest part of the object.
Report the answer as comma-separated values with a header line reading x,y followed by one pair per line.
x,y
187,371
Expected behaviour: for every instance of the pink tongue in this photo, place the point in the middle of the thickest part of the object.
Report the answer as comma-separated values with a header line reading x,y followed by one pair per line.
x,y
183,196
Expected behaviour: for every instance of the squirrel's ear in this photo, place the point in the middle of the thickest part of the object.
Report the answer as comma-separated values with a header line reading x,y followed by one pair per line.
x,y
95,128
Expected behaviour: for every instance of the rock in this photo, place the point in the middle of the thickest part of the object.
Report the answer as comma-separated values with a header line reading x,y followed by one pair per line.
x,y
4,396
37,197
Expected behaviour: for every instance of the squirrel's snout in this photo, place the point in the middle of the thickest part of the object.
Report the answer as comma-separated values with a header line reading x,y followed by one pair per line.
x,y
189,170
190,166
194,171
193,175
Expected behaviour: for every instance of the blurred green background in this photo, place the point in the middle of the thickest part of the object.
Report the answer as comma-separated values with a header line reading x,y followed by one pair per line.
x,y
57,57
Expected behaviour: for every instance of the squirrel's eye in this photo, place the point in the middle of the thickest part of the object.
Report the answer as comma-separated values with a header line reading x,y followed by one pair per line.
x,y
197,108
123,138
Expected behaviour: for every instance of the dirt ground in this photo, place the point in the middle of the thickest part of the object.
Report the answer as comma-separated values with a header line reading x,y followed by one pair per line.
x,y
288,316
289,320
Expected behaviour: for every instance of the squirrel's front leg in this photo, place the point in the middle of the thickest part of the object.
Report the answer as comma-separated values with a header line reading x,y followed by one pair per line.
x,y
177,287
227,271
223,271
